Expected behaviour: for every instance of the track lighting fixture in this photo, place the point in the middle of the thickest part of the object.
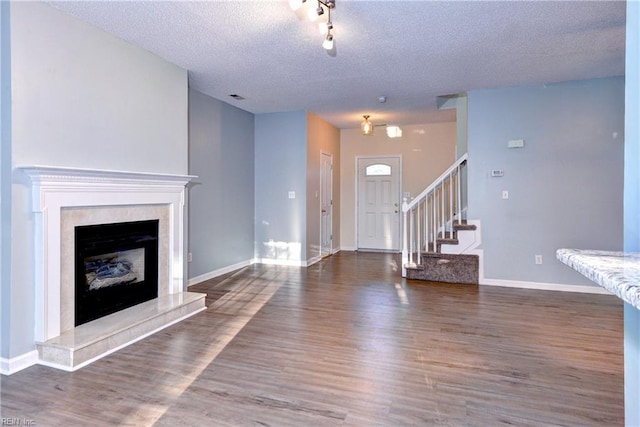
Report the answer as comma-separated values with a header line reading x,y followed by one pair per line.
x,y
316,8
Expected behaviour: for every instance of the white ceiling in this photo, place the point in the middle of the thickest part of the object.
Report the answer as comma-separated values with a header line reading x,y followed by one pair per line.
x,y
410,51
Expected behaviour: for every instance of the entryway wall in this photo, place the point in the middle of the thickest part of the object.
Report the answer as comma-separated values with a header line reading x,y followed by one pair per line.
x,y
426,149
322,137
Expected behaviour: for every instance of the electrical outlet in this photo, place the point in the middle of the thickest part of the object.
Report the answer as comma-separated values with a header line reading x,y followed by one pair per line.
x,y
189,257
538,259
505,194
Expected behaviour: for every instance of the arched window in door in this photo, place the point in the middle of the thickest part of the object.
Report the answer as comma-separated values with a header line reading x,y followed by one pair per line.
x,y
378,169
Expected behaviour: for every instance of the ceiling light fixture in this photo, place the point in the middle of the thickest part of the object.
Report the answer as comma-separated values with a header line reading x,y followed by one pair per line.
x,y
366,126
316,9
394,131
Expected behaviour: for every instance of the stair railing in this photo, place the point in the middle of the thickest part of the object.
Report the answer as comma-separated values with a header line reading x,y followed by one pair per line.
x,y
432,213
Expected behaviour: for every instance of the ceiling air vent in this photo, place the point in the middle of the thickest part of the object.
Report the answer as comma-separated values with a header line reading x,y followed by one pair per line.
x,y
236,96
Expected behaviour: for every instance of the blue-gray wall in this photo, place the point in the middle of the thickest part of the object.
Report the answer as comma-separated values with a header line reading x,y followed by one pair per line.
x,y
5,178
632,210
221,201
281,166
565,185
74,91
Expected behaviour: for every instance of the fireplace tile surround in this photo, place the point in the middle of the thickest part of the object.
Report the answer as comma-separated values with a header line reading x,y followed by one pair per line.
x,y
63,198
79,216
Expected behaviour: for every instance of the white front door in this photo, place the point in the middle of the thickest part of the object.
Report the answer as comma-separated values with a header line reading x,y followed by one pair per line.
x,y
326,204
379,203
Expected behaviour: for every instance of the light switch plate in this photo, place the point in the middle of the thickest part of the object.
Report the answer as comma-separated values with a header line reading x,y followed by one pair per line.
x,y
516,143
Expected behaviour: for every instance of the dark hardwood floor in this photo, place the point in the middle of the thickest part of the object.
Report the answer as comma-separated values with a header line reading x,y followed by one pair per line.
x,y
347,342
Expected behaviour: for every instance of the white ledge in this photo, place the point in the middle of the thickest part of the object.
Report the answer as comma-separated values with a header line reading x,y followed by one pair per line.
x,y
39,173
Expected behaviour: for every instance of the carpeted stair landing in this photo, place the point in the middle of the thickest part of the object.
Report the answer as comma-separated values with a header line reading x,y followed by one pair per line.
x,y
451,268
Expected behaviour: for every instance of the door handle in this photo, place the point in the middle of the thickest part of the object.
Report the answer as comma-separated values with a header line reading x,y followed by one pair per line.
x,y
324,211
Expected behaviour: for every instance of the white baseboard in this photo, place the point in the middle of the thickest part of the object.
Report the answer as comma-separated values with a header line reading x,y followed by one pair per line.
x,y
16,364
586,289
219,272
522,284
267,261
349,248
285,262
312,261
318,258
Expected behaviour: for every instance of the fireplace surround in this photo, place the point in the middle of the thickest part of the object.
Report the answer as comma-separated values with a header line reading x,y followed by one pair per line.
x,y
66,198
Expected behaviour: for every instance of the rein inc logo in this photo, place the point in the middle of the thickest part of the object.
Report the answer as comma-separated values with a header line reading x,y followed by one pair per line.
x,y
16,421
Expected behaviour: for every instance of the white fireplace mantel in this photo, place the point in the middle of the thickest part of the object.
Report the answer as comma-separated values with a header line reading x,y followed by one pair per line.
x,y
57,188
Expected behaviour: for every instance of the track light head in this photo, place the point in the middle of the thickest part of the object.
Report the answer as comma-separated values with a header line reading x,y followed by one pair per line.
x,y
325,27
296,4
328,42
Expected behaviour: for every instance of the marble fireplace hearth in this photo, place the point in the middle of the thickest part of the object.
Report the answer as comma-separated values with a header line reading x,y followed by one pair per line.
x,y
65,198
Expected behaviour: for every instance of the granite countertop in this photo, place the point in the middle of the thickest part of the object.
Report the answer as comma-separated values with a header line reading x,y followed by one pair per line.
x,y
617,272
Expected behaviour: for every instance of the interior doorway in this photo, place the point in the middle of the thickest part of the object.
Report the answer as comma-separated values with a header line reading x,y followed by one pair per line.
x,y
326,204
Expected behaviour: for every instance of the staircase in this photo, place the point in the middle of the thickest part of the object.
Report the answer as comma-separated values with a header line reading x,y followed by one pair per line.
x,y
438,240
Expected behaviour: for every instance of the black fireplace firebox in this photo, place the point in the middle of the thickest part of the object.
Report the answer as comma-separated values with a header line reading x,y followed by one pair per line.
x,y
116,267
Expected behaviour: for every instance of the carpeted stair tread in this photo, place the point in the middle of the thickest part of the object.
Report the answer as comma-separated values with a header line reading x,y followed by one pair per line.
x,y
447,241
463,226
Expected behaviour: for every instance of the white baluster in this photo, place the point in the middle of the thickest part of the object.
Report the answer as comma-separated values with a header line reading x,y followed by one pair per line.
x,y
405,249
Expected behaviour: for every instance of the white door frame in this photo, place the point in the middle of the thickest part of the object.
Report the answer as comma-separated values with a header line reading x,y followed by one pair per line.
x,y
357,193
330,213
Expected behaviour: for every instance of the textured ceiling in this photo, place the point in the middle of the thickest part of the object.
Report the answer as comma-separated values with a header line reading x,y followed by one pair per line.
x,y
410,51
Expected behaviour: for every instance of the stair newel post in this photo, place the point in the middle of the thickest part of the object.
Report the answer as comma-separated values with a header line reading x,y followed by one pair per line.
x,y
405,249
418,236
458,201
451,211
442,202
